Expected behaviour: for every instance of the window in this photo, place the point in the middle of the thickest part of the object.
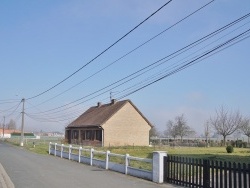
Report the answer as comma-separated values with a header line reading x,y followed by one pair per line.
x,y
98,135
75,134
91,135
88,135
83,135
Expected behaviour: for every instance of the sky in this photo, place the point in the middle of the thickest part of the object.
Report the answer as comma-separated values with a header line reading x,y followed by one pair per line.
x,y
43,42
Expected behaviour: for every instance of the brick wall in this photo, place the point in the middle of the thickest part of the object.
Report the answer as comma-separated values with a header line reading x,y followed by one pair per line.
x,y
126,127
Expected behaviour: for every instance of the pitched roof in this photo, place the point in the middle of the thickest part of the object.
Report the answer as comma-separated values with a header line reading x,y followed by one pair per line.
x,y
98,115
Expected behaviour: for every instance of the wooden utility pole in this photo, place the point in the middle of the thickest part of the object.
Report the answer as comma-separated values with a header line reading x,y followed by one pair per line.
x,y
22,133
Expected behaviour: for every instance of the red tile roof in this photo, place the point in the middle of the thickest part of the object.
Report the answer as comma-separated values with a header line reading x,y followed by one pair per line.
x,y
9,131
98,115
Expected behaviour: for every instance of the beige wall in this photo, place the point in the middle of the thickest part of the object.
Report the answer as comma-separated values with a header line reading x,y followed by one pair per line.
x,y
126,127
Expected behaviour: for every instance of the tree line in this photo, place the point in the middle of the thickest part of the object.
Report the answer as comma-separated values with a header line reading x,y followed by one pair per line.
x,y
224,123
10,125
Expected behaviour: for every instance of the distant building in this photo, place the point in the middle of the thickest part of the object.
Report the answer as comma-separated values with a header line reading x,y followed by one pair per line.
x,y
6,133
118,123
50,134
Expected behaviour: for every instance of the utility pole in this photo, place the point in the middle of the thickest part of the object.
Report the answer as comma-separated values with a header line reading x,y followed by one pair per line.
x,y
22,134
3,125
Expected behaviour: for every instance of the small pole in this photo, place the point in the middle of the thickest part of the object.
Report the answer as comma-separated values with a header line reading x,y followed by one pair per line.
x,y
61,150
55,149
49,147
126,163
91,156
107,159
70,146
80,152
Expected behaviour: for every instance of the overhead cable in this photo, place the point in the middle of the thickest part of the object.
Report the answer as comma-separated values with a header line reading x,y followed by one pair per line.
x,y
128,53
198,59
35,96
151,66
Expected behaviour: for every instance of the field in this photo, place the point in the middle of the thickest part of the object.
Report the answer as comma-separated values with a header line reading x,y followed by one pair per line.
x,y
241,155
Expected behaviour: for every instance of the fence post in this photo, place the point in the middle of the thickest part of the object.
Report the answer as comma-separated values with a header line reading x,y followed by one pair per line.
x,y
126,163
61,150
79,154
107,160
166,168
70,146
91,156
206,174
49,147
55,149
158,166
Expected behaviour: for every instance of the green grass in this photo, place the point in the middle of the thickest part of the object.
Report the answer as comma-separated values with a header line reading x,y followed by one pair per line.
x,y
241,155
40,148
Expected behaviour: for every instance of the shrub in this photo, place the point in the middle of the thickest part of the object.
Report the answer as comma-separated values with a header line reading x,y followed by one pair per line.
x,y
229,149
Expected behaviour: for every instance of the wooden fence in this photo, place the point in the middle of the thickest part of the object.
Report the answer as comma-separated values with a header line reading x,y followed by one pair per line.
x,y
190,172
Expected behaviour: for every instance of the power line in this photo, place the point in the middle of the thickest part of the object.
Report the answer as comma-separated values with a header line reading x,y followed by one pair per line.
x,y
13,110
100,53
200,58
151,66
123,97
128,53
224,45
9,109
182,66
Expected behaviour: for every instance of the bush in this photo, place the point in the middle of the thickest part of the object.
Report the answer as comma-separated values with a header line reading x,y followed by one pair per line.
x,y
229,149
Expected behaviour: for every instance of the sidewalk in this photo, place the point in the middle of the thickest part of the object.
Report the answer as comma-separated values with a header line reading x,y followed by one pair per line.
x,y
5,181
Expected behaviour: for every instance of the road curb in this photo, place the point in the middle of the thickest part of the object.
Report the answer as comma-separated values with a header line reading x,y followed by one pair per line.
x,y
5,181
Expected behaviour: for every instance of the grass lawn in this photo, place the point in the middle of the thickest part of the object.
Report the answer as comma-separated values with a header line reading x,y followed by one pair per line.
x,y
241,155
214,153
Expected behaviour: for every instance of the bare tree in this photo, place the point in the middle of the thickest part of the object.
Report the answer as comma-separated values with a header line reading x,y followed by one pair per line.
x,y
182,128
178,127
154,132
226,123
171,130
245,127
11,124
207,131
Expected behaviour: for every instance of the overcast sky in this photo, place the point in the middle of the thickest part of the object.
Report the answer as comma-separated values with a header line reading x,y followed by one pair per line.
x,y
43,42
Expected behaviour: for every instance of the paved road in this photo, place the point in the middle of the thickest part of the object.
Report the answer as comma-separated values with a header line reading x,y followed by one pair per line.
x,y
28,170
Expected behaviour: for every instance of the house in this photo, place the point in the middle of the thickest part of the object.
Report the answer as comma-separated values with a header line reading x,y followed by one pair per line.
x,y
6,133
118,123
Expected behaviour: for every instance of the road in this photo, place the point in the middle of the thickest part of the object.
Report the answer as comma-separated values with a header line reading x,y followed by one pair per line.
x,y
28,170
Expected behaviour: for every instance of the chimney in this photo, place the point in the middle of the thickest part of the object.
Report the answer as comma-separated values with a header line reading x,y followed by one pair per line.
x,y
113,101
99,104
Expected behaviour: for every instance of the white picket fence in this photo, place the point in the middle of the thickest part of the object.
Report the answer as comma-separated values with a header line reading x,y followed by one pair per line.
x,y
79,154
